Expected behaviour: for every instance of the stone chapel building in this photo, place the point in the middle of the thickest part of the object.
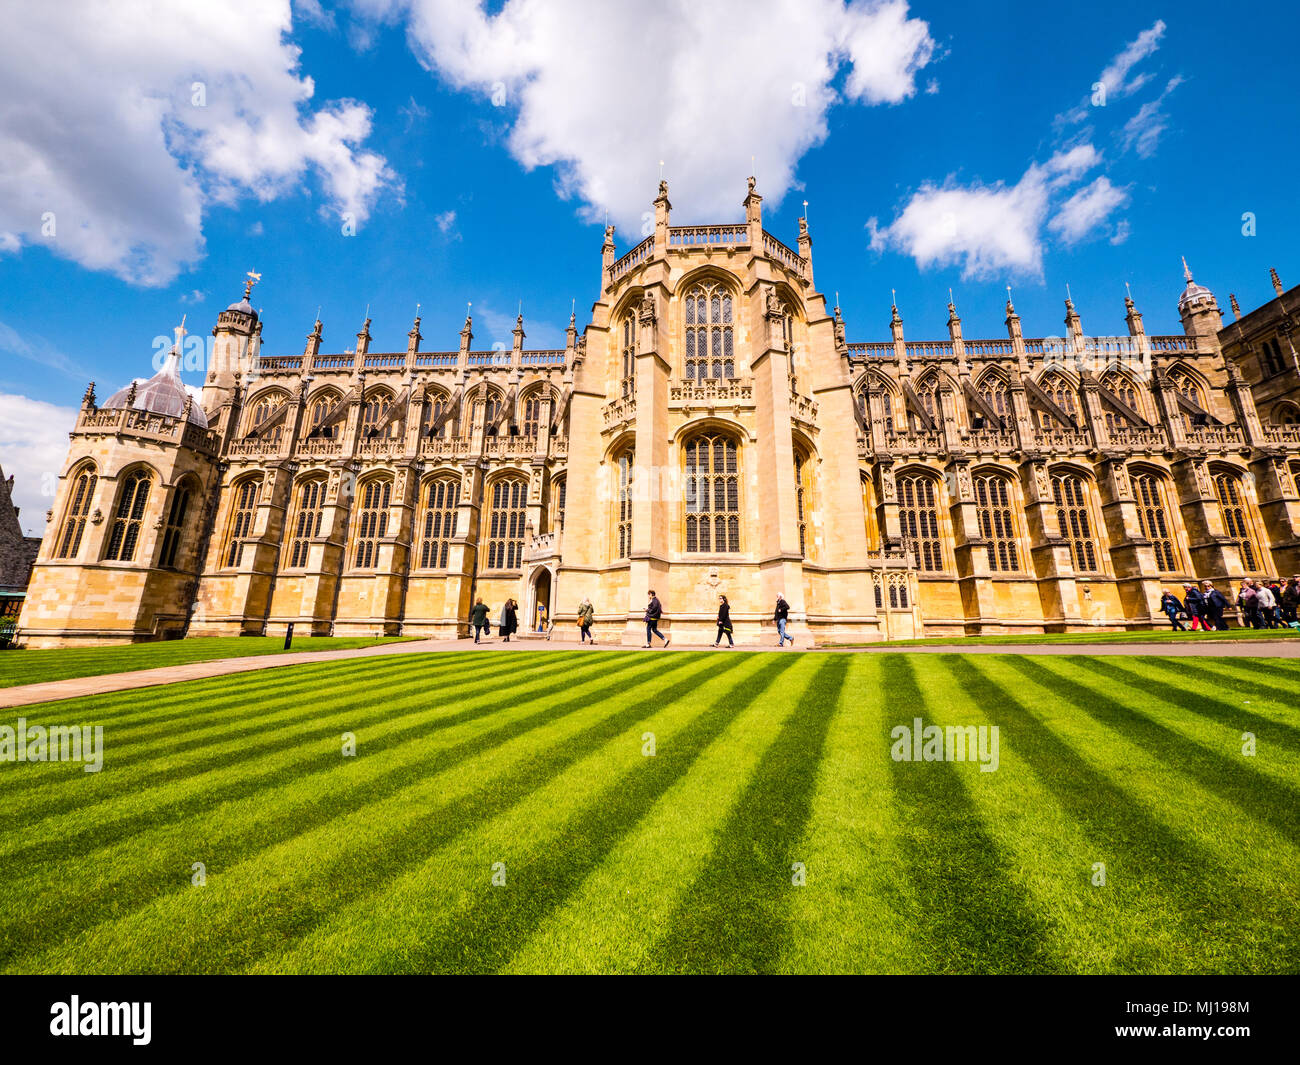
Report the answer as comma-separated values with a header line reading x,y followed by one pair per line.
x,y
710,430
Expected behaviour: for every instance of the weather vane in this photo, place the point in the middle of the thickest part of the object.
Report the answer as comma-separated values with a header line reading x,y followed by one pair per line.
x,y
253,279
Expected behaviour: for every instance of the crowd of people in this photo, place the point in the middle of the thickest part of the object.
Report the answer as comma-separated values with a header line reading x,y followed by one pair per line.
x,y
1263,604
480,623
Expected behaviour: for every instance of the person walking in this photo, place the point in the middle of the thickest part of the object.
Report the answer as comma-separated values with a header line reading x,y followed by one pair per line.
x,y
1291,600
1194,605
724,622
781,617
509,619
653,612
1267,605
1248,601
478,619
1170,604
1215,604
586,619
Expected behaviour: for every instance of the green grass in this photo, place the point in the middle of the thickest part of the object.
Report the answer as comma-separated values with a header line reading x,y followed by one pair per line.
x,y
32,667
1154,636
615,861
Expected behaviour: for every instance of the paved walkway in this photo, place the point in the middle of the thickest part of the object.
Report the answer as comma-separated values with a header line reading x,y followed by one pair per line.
x,y
25,694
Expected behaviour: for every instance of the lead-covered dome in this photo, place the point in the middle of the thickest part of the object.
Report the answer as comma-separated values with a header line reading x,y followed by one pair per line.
x,y
163,393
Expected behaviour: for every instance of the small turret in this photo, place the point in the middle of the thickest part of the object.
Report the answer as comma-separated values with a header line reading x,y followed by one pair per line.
x,y
1198,309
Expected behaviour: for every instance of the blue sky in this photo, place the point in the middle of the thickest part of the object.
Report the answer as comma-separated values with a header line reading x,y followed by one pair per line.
x,y
478,147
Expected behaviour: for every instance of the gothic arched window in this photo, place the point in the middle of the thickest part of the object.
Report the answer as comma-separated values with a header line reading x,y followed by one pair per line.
x,y
1058,390
241,517
505,546
993,391
532,414
372,521
710,346
1190,391
441,498
307,522
1071,496
623,506
1121,388
803,496
1236,518
993,512
430,412
176,513
712,495
317,412
374,414
918,515
627,356
74,522
557,495
1153,520
262,409
129,518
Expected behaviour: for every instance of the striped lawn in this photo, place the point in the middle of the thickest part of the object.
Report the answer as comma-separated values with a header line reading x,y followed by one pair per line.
x,y
36,667
530,768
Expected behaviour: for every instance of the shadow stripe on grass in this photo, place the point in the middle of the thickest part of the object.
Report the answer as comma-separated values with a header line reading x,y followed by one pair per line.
x,y
1187,882
146,741
735,919
977,918
232,937
420,722
1258,795
1233,717
499,922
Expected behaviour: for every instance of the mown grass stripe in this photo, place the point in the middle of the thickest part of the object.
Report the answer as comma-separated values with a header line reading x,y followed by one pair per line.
x,y
1259,795
848,917
144,862
92,797
963,883
447,917
241,913
735,918
1177,890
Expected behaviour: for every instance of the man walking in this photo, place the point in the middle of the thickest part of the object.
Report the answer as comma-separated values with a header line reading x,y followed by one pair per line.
x,y
1215,604
781,616
478,619
653,612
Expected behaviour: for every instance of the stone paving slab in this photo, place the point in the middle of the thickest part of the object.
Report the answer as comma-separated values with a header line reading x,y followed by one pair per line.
x,y
77,687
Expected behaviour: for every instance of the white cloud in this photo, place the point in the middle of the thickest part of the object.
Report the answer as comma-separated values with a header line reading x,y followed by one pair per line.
x,y
604,91
33,447
127,119
32,347
989,230
1115,78
1142,132
445,222
1086,212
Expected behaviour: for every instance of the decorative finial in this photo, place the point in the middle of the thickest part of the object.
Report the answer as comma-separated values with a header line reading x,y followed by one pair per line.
x,y
805,210
1277,281
1011,307
253,279
88,400
837,299
1128,293
1069,300
1187,270
1236,307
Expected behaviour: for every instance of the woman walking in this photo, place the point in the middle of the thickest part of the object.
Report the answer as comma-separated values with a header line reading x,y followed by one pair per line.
x,y
1194,604
509,619
724,622
586,619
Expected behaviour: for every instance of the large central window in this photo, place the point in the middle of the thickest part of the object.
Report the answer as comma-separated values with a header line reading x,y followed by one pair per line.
x,y
129,520
623,508
1236,521
1070,495
712,495
710,346
74,525
307,522
372,523
1154,522
241,518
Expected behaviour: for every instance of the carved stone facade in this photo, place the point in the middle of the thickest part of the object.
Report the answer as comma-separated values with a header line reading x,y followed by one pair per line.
x,y
711,430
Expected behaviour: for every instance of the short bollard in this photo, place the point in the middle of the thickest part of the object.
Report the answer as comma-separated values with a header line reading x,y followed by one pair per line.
x,y
288,636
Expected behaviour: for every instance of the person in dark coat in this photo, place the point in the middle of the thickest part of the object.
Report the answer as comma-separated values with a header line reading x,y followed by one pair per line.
x,y
653,612
1291,600
509,619
781,616
724,622
1248,600
1194,604
478,619
1170,604
1215,604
